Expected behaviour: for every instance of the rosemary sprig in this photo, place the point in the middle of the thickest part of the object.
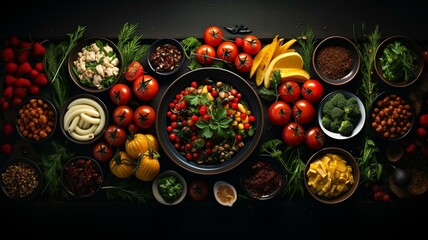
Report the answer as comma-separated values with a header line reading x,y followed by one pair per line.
x,y
52,164
130,44
307,43
292,163
55,71
127,190
368,163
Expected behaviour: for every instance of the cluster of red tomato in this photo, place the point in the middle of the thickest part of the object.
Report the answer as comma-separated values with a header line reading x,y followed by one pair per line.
x,y
297,102
420,143
215,47
126,119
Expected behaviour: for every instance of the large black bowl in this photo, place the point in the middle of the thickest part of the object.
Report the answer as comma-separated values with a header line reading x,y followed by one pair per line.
x,y
225,76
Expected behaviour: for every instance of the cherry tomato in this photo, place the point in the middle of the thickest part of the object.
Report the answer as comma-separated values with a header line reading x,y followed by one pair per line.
x,y
114,135
227,51
8,129
102,152
205,54
314,138
198,189
123,115
251,44
423,120
243,62
312,90
289,91
145,87
279,113
213,36
144,116
293,134
120,94
303,111
132,128
6,148
133,71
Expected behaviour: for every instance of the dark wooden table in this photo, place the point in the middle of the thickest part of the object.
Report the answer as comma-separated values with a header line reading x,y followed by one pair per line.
x,y
358,218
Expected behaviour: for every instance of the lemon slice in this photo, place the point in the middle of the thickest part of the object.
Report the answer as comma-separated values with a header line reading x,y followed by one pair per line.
x,y
284,60
284,47
296,74
225,193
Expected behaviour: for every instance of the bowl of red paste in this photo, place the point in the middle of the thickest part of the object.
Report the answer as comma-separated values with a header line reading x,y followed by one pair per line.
x,y
263,179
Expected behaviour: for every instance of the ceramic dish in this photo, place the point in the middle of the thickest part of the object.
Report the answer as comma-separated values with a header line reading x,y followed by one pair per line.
x,y
174,179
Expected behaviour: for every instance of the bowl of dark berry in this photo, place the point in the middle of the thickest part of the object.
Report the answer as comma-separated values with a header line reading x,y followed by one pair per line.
x,y
82,176
336,60
165,56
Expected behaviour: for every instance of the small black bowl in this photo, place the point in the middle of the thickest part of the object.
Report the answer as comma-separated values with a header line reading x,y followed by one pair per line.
x,y
165,52
392,127
29,126
98,131
74,54
410,45
337,42
82,176
263,179
21,174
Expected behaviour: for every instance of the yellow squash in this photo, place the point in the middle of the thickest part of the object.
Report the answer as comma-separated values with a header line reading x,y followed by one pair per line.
x,y
141,143
122,165
148,166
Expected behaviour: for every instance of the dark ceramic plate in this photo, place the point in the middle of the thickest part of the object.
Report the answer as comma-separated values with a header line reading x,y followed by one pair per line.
x,y
158,43
215,74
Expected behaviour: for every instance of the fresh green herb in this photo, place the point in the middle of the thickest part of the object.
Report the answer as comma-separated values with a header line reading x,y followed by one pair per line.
x,y
218,125
190,44
271,93
290,159
55,71
52,164
398,62
197,99
126,189
368,162
170,188
307,42
130,44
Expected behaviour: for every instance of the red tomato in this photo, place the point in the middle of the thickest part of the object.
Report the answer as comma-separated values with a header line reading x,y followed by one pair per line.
x,y
8,129
132,128
303,111
213,36
205,54
120,94
293,134
243,62
144,116
145,87
198,189
312,90
289,91
115,136
123,115
134,70
102,152
251,44
314,138
423,120
425,56
227,51
279,113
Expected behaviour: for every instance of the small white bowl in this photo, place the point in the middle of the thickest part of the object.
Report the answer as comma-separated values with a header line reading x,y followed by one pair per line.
x,y
157,194
358,127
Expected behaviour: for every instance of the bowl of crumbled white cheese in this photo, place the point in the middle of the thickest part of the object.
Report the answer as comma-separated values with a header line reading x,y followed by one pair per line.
x,y
95,64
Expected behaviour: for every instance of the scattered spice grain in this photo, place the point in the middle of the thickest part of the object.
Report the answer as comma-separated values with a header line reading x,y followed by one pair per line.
x,y
335,62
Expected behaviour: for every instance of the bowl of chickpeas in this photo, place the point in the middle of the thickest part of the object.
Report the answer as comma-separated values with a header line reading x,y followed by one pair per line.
x,y
36,119
391,116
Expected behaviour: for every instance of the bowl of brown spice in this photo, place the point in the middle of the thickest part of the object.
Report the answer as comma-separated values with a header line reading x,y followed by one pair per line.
x,y
21,179
165,56
336,60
